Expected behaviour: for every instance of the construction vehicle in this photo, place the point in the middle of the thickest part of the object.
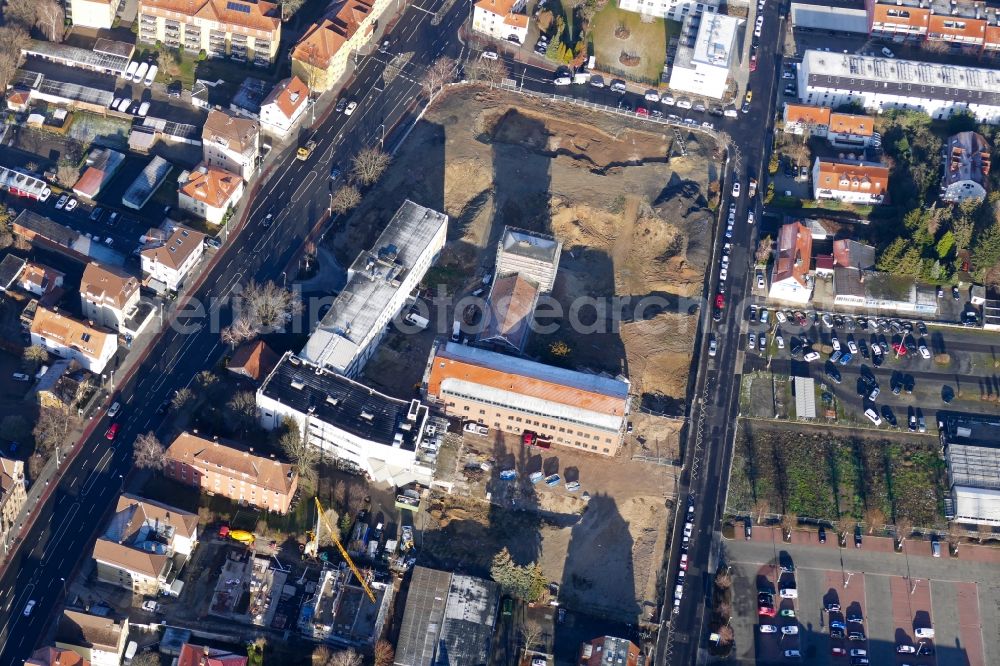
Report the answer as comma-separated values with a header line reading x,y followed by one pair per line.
x,y
312,546
244,537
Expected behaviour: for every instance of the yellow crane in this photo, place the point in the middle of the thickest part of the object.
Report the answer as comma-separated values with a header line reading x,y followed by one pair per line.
x,y
343,552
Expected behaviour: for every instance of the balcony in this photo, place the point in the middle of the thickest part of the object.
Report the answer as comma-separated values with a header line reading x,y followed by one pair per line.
x,y
147,19
172,25
239,39
172,43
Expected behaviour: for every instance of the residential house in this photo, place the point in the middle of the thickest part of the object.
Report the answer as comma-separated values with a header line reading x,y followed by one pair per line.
x,y
510,311
101,640
231,143
254,360
102,165
515,395
52,656
284,106
965,23
209,192
169,260
108,295
501,19
99,14
533,255
241,30
64,385
10,270
850,181
806,119
202,655
790,279
40,280
841,130
966,165
320,58
13,495
609,651
90,346
145,545
228,469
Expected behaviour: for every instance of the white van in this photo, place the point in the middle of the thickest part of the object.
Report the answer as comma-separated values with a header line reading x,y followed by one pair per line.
x,y
140,73
924,632
123,107
143,109
130,70
151,75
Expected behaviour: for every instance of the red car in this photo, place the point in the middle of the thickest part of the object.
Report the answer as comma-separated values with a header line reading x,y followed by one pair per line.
x,y
720,301
112,432
838,652
900,349
768,611
641,111
753,63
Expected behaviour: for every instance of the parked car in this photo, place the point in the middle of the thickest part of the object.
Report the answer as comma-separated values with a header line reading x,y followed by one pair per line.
x,y
768,629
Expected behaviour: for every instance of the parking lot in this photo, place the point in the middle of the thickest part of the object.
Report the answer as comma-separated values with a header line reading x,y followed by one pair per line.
x,y
879,597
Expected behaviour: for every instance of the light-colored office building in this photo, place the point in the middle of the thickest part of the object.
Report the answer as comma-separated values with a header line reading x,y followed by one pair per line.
x,y
702,68
674,10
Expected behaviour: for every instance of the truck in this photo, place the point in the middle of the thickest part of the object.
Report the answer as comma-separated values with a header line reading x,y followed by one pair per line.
x,y
140,72
416,320
305,151
476,428
532,438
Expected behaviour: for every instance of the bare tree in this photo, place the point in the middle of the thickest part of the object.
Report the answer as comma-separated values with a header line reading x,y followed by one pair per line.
x,y
206,379
240,331
530,633
763,254
384,653
789,522
904,528
148,452
984,532
50,19
874,518
243,409
370,164
723,579
21,13
35,355
303,455
321,655
489,71
724,610
760,507
146,659
725,635
340,493
345,200
53,428
844,526
268,306
345,658
182,398
440,73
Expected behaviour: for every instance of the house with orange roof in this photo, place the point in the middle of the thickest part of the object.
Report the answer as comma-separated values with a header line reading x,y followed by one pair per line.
x,y
108,295
320,58
209,192
850,130
102,164
39,279
790,278
169,260
53,656
284,106
238,29
568,408
802,118
202,655
71,338
501,19
254,360
850,181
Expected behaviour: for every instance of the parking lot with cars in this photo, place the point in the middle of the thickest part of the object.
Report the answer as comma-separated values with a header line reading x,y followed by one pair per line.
x,y
860,606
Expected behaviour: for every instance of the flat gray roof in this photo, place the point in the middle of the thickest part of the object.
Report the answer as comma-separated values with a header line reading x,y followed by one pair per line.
x,y
111,63
973,466
530,244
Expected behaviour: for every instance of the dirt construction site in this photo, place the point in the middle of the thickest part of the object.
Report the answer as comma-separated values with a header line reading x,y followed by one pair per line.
x,y
631,209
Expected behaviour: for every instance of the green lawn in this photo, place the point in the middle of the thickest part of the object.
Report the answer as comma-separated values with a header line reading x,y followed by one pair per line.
x,y
647,40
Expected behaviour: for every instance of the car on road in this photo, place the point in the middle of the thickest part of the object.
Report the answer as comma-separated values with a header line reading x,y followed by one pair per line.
x,y
857,536
114,409
112,432
61,202
713,347
747,529
29,607
736,188
684,562
836,633
768,629
489,55
811,356
887,53
822,534
858,652
837,624
792,654
341,103
757,26
95,214
150,606
21,377
925,632
596,81
789,593
562,81
641,111
787,612
856,636
838,651
350,108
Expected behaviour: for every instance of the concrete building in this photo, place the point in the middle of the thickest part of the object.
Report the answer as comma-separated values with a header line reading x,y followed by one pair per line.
x,y
448,618
850,181
674,10
574,409
342,614
231,143
966,166
14,494
320,58
857,284
168,260
101,640
145,545
11,267
98,14
245,31
609,651
879,84
283,107
102,165
973,462
531,254
702,68
230,470
379,282
790,278
209,192
70,338
108,296
501,19
509,313
838,15
356,425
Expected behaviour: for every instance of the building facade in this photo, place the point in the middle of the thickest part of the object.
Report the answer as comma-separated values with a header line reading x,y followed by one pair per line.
x,y
169,261
850,181
99,639
530,254
14,495
70,338
209,192
231,143
224,468
515,395
703,68
108,296
245,31
283,107
501,19
674,10
92,13
965,23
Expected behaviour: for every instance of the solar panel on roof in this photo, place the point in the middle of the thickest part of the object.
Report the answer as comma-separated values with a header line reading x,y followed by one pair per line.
x,y
238,7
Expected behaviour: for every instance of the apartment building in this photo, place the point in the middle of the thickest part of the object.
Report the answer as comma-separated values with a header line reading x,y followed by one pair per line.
x,y
13,494
790,278
379,283
241,30
879,84
145,545
573,409
70,338
849,181
108,295
230,470
961,22
841,130
675,10
501,19
702,68
609,651
966,167
320,58
99,639
531,254
99,14
231,143
209,192
169,260
283,106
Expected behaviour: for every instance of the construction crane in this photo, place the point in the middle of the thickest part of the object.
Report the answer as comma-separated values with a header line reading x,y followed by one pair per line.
x,y
313,546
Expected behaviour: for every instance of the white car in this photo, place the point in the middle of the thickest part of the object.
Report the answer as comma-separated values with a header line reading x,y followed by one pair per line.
x,y
489,55
667,100
683,104
61,202
925,353
350,108
768,629
780,316
652,96
28,607
873,416
750,217
760,281
736,189
851,345
150,606
924,632
684,561
791,654
858,652
713,347
887,53
780,340
835,343
723,274
562,81
757,26
789,593
725,260
790,630
811,356
688,527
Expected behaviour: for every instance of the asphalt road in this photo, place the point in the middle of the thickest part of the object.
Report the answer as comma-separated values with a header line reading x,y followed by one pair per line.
x,y
298,195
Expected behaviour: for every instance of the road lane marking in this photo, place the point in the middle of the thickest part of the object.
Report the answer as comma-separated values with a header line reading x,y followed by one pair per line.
x,y
305,184
59,532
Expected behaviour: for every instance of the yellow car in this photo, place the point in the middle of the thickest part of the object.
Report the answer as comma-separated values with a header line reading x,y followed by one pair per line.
x,y
749,97
305,151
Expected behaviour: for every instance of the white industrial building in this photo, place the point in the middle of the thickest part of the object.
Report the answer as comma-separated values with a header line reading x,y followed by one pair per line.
x,y
702,68
836,15
379,282
973,460
879,84
375,433
674,10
